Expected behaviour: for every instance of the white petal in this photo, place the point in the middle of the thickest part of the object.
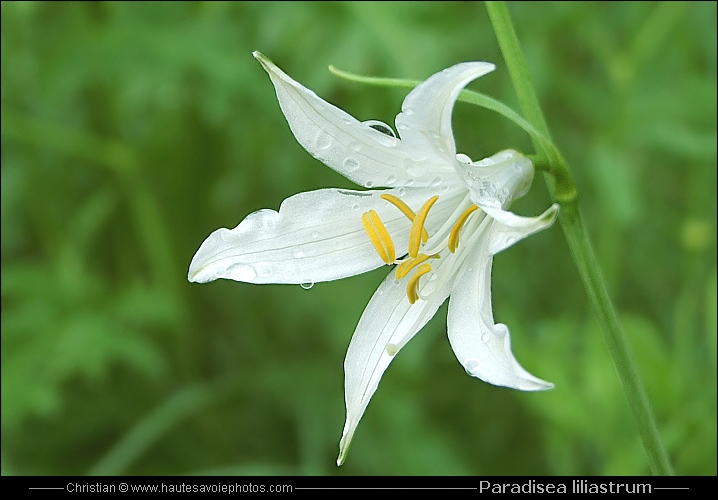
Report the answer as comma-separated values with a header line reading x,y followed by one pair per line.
x,y
497,180
508,228
316,236
482,347
388,322
354,149
425,119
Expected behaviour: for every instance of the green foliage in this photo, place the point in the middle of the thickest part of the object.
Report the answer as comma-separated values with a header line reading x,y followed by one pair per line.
x,y
129,132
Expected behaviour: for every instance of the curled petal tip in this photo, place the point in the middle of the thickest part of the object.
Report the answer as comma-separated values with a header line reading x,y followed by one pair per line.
x,y
535,385
261,58
516,378
266,63
195,269
343,450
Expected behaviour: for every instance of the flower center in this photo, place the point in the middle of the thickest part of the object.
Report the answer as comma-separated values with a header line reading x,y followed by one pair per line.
x,y
418,236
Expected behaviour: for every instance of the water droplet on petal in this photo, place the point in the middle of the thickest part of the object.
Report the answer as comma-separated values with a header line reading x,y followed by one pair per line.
x,y
351,165
369,184
416,166
410,182
297,252
240,272
401,191
314,235
435,182
501,330
486,337
396,282
307,285
355,206
470,366
408,111
264,269
269,223
355,146
428,285
380,127
503,196
324,140
390,180
463,158
488,189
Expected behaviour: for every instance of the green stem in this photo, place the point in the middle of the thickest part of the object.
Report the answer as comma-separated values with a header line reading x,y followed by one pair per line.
x,y
563,191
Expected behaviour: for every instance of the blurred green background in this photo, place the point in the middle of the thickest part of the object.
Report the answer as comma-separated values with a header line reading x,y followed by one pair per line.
x,y
131,131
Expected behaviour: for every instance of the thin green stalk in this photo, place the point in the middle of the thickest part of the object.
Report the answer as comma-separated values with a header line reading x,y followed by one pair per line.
x,y
563,191
468,96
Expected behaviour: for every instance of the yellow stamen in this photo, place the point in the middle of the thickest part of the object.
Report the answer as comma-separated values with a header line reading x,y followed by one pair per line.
x,y
454,235
418,225
412,288
405,209
409,264
379,236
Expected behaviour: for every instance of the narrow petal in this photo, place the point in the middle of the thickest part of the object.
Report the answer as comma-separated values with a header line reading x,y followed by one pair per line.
x,y
482,347
387,324
316,236
508,228
425,119
359,152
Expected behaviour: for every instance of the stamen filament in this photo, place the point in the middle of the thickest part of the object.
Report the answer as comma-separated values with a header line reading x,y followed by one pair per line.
x,y
405,209
379,236
409,264
417,226
412,288
454,236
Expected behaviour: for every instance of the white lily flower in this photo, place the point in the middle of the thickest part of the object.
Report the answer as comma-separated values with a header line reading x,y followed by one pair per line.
x,y
440,218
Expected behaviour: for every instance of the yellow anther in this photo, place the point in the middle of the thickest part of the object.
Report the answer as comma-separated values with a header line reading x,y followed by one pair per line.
x,y
379,236
405,209
418,226
412,288
409,264
454,235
